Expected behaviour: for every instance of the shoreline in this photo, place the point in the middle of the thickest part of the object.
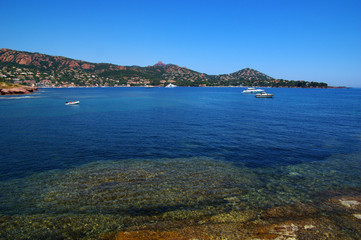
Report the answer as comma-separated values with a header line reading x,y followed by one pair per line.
x,y
329,87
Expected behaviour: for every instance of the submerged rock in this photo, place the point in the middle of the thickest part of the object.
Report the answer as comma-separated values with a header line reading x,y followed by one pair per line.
x,y
349,203
146,234
291,211
195,198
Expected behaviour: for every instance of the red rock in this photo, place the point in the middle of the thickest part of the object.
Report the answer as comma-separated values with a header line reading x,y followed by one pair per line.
x,y
73,64
23,59
18,90
30,89
4,91
159,64
87,66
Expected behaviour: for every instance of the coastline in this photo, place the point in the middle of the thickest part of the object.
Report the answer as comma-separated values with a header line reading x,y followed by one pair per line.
x,y
141,86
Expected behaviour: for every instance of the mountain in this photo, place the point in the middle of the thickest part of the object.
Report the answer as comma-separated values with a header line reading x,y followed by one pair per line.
x,y
47,62
45,70
159,64
249,73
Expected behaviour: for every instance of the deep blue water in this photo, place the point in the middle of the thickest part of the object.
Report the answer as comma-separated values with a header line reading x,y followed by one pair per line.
x,y
132,156
298,125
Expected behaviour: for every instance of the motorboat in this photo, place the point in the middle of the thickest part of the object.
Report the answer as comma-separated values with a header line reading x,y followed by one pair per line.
x,y
170,85
149,86
264,95
253,90
72,103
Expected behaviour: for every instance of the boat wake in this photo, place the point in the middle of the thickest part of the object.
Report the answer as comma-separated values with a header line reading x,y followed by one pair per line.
x,y
21,97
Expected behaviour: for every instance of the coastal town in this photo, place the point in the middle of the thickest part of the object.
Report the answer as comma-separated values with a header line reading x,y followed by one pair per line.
x,y
77,78
35,78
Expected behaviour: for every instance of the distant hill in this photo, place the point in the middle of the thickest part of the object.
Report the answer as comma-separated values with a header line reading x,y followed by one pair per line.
x,y
41,69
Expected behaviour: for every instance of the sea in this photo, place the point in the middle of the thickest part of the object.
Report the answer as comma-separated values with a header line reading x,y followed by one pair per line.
x,y
209,161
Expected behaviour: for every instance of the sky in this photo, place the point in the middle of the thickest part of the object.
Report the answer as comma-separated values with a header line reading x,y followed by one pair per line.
x,y
289,39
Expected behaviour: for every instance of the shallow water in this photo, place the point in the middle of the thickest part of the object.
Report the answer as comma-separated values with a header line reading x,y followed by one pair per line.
x,y
129,157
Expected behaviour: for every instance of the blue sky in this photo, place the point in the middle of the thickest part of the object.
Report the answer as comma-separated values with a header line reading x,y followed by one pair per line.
x,y
289,39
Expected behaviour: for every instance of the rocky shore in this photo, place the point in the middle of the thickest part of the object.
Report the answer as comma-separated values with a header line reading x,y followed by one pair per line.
x,y
18,90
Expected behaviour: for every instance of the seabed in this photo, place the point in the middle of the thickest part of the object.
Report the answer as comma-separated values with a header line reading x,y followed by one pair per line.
x,y
194,198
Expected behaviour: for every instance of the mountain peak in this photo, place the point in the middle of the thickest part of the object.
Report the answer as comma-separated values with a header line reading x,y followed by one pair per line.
x,y
249,73
159,64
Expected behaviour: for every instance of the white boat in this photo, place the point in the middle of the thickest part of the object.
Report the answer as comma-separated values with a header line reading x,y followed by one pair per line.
x,y
170,85
253,90
72,103
264,95
148,86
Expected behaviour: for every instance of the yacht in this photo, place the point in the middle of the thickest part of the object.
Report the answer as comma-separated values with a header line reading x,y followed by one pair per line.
x,y
264,95
253,90
72,103
170,85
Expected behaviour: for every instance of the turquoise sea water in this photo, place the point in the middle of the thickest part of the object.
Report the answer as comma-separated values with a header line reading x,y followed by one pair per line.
x,y
130,156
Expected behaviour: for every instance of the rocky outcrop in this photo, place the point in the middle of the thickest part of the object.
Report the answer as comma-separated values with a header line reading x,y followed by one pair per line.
x,y
159,64
18,90
87,66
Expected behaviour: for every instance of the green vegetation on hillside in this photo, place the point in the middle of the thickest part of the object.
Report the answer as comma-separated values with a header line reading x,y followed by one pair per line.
x,y
44,70
4,84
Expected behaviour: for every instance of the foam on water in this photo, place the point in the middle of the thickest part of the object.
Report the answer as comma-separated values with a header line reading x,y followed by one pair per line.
x,y
17,97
